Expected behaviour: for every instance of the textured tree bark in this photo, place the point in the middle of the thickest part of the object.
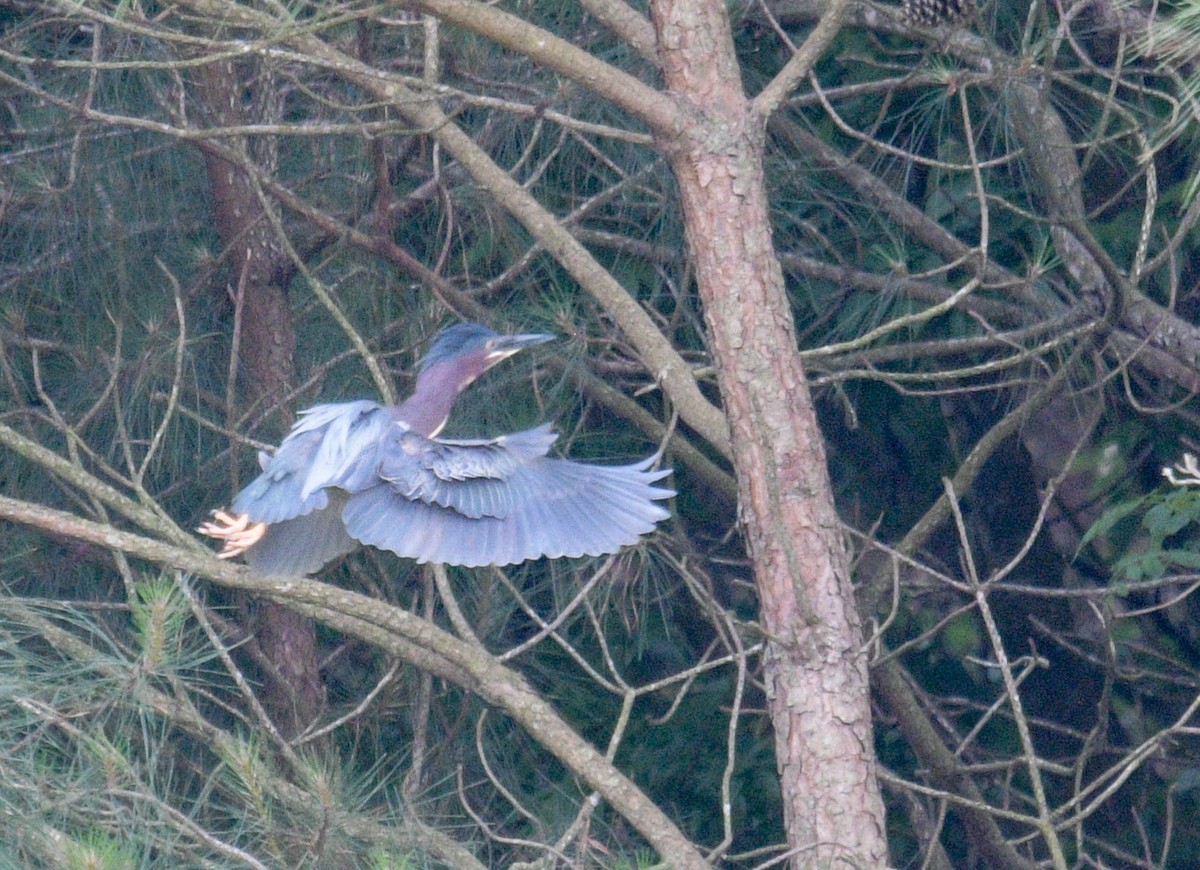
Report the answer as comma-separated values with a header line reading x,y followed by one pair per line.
x,y
294,694
816,670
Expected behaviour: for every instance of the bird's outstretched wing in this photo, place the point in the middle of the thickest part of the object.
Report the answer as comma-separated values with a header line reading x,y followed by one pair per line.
x,y
350,473
500,501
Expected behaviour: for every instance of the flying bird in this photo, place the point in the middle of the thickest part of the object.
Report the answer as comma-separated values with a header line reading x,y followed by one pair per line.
x,y
361,472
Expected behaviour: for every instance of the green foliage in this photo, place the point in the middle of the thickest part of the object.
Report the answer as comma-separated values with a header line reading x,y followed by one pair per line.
x,y
159,613
961,637
104,768
98,851
1158,533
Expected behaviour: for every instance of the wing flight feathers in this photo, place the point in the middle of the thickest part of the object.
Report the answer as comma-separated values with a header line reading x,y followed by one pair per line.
x,y
501,502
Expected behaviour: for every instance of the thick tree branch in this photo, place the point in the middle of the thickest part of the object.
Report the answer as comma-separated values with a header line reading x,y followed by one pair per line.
x,y
657,111
409,637
149,519
627,23
801,63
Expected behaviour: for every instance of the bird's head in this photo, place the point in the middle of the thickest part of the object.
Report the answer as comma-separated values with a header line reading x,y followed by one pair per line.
x,y
464,351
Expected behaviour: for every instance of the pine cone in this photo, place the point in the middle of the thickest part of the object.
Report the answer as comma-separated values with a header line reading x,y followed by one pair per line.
x,y
935,13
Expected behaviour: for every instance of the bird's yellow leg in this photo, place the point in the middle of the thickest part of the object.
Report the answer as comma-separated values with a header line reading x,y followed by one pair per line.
x,y
238,533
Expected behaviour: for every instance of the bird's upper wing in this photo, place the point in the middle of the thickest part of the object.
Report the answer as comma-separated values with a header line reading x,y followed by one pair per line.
x,y
472,477
500,501
324,449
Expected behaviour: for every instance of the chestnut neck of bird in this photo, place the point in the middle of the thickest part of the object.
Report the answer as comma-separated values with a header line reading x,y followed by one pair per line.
x,y
427,409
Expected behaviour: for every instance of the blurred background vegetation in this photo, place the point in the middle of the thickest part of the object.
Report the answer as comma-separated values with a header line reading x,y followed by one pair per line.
x,y
909,165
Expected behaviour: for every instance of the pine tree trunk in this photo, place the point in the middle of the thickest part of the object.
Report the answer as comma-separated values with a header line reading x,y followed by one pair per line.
x,y
293,693
816,669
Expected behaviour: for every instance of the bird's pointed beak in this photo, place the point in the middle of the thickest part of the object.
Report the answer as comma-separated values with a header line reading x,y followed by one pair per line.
x,y
506,345
529,339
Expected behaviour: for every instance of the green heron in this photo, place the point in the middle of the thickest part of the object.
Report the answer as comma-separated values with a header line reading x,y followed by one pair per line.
x,y
363,473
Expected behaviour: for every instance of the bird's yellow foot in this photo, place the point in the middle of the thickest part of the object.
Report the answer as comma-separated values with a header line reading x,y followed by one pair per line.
x,y
238,533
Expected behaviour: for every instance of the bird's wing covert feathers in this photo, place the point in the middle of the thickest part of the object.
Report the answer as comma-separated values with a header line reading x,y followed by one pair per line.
x,y
500,501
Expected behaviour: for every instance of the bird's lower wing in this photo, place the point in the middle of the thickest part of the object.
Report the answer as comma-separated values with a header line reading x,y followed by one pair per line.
x,y
556,508
302,545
